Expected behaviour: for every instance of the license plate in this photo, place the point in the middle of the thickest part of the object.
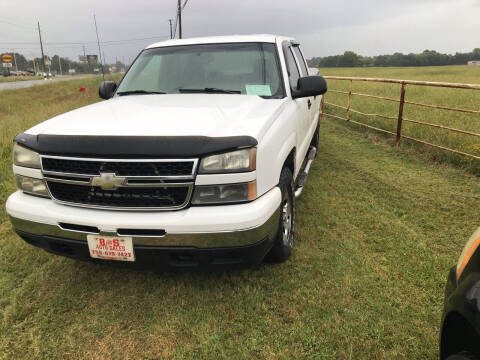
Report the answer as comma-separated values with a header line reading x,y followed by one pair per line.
x,y
111,247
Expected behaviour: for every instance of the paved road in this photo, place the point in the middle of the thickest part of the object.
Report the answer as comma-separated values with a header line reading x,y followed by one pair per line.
x,y
28,83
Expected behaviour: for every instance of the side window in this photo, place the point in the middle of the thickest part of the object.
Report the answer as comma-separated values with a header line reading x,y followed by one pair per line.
x,y
293,72
301,61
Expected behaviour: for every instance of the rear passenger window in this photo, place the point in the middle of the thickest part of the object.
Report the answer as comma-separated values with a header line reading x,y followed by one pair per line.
x,y
293,72
301,61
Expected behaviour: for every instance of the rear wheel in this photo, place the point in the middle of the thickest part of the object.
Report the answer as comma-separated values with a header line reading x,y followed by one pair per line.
x,y
283,245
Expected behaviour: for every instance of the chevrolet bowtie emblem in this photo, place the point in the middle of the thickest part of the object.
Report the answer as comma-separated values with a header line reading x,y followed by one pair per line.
x,y
108,181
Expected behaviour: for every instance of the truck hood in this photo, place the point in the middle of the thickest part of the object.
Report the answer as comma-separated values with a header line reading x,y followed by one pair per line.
x,y
212,115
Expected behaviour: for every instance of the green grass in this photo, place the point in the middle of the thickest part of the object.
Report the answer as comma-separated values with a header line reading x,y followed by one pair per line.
x,y
377,230
458,98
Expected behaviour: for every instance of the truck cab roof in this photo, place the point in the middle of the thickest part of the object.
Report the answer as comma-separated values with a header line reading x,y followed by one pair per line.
x,y
265,38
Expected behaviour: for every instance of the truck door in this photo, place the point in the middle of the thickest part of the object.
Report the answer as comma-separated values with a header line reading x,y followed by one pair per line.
x,y
313,102
303,120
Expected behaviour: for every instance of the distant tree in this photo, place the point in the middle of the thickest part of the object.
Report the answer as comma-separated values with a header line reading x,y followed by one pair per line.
x,y
425,58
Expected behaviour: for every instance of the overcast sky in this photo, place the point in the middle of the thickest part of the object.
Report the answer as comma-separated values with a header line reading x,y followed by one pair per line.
x,y
323,27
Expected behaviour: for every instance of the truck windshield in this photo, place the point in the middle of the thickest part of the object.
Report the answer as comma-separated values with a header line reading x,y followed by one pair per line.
x,y
236,68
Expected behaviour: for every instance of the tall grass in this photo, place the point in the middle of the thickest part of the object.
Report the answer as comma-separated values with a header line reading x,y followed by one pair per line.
x,y
457,98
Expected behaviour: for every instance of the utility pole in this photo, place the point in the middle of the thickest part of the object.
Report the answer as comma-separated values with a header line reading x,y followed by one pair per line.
x,y
85,59
60,64
99,50
171,30
15,61
41,46
179,19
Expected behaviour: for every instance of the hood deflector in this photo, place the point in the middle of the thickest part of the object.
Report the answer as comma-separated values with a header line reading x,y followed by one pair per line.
x,y
132,146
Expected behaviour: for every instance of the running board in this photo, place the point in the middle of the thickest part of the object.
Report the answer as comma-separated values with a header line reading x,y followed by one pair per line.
x,y
302,179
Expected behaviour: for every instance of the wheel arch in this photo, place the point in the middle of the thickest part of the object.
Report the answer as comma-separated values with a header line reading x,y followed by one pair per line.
x,y
457,334
289,162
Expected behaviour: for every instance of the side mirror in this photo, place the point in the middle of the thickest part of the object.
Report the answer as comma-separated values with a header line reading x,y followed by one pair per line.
x,y
107,89
310,86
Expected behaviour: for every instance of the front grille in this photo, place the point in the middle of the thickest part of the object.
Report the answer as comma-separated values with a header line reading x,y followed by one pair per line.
x,y
123,197
120,168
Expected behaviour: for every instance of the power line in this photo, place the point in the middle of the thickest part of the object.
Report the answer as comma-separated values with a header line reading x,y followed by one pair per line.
x,y
15,24
106,42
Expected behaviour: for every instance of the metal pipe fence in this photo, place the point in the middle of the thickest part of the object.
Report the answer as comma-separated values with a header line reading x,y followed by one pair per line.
x,y
401,102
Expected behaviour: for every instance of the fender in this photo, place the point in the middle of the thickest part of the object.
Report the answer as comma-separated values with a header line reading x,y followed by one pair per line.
x,y
271,155
461,314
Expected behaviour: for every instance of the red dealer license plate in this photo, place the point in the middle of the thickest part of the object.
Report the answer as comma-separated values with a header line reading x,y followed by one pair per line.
x,y
111,247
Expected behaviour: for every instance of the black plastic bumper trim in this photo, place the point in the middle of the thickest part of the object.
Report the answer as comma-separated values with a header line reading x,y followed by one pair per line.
x,y
159,257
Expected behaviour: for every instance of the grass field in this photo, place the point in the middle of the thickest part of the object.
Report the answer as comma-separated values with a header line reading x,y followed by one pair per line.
x,y
377,230
459,98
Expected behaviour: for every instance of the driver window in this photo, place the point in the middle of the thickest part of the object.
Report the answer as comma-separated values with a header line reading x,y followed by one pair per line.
x,y
301,61
293,73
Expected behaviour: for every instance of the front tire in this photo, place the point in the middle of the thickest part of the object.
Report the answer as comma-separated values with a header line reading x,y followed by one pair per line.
x,y
464,355
283,245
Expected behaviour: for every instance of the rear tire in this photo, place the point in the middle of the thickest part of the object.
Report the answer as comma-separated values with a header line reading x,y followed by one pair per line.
x,y
283,245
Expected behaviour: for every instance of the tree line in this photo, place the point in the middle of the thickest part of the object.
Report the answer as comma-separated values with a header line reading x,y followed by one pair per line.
x,y
24,64
425,58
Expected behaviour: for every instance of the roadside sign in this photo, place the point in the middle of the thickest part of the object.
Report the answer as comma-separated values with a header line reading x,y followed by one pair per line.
x,y
7,65
92,59
7,58
48,62
71,71
82,58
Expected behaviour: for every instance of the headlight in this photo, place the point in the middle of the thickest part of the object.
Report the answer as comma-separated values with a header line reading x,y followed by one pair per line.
x,y
469,249
235,161
31,185
25,157
226,193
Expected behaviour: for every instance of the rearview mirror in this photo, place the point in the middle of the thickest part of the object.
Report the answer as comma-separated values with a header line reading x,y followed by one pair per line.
x,y
310,86
107,89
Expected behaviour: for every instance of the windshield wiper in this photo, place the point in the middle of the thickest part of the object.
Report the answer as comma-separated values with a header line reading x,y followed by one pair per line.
x,y
139,92
210,90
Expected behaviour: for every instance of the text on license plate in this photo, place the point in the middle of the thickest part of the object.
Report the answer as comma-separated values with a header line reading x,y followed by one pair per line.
x,y
111,247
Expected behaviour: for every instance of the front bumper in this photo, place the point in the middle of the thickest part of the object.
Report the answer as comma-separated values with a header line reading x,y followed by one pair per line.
x,y
240,233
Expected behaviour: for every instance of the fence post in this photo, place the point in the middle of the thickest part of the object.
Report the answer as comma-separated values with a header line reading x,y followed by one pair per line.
x,y
349,97
400,114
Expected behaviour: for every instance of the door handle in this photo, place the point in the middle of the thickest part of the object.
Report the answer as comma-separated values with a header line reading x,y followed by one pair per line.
x,y
309,103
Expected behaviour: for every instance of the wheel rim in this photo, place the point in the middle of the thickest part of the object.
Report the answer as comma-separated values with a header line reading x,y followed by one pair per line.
x,y
287,219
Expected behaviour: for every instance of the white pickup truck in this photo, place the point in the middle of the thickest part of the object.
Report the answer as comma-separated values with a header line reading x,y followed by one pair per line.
x,y
195,159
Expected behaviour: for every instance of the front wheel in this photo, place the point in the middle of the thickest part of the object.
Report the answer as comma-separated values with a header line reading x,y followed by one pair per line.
x,y
283,245
464,355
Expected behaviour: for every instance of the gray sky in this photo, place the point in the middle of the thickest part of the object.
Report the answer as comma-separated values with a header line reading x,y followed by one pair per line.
x,y
323,27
